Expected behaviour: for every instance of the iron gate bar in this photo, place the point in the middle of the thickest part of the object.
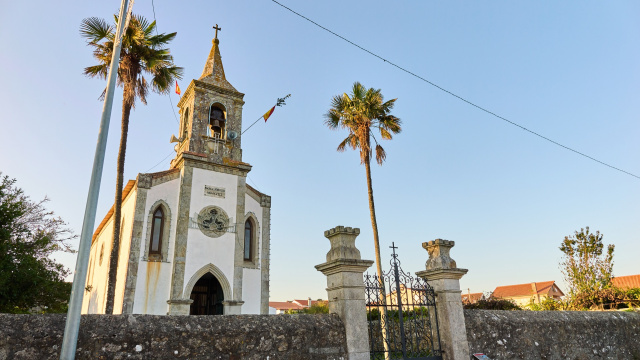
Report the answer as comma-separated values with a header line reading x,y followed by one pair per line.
x,y
404,326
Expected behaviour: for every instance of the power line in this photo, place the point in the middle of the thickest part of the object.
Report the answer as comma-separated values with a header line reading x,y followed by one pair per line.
x,y
159,162
454,95
169,94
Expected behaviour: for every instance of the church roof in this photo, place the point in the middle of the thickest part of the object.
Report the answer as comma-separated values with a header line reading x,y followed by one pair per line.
x,y
213,72
103,223
254,190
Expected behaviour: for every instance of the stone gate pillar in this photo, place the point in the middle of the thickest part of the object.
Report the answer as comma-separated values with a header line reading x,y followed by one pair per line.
x,y
345,288
443,275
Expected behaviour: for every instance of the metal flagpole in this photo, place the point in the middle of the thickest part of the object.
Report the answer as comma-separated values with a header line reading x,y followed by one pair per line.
x,y
72,326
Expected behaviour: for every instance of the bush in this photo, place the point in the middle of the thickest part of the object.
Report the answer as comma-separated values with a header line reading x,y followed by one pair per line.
x,y
493,304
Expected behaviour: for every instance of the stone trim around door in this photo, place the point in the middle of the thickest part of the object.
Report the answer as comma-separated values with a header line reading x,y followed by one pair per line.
x,y
213,270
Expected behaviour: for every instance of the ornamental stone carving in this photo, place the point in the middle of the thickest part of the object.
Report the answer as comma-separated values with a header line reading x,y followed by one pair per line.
x,y
213,221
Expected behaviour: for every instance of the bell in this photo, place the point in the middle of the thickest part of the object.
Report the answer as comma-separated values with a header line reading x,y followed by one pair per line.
x,y
216,123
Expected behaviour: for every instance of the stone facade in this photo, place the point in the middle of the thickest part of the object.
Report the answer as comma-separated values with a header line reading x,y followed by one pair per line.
x,y
345,288
444,276
247,337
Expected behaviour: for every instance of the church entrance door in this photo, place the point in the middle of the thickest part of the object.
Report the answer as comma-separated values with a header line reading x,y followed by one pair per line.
x,y
207,296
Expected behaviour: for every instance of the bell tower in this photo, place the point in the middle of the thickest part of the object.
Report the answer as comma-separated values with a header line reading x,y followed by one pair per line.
x,y
210,115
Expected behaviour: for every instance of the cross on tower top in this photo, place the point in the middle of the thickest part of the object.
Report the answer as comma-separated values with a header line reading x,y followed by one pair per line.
x,y
217,28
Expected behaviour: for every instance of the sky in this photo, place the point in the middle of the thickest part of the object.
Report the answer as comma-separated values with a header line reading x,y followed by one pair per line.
x,y
569,71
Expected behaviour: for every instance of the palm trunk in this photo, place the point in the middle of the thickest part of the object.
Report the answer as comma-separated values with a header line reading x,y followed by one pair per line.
x,y
374,224
376,242
117,207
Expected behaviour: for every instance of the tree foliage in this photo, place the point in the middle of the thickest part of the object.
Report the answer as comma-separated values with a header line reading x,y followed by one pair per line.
x,y
363,113
587,269
29,280
142,53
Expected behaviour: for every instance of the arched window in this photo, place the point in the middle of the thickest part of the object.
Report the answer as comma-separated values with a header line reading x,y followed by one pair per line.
x,y
248,239
185,123
216,121
157,225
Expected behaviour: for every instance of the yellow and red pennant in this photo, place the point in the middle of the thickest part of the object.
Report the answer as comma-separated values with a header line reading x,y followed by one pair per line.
x,y
268,113
177,88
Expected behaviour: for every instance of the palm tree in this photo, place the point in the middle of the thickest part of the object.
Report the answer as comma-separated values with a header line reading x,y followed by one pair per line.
x,y
361,113
142,52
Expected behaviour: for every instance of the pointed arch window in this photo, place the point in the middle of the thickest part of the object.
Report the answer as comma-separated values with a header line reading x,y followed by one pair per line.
x,y
217,122
157,225
185,123
248,240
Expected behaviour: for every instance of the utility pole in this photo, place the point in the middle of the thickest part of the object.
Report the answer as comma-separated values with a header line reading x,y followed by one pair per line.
x,y
72,326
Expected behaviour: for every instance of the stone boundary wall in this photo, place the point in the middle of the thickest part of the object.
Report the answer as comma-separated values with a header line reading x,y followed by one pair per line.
x,y
229,337
553,335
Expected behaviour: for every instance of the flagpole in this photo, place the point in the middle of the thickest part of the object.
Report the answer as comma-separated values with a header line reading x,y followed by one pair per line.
x,y
72,326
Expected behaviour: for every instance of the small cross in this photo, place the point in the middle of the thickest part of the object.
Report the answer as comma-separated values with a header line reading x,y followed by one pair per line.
x,y
394,247
217,28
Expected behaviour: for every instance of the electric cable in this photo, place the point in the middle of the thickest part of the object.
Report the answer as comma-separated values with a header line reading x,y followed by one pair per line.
x,y
455,95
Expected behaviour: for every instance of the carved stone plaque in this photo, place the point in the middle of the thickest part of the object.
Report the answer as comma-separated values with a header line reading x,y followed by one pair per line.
x,y
214,191
213,221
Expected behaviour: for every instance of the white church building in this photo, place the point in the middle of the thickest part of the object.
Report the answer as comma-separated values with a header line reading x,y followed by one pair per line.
x,y
194,238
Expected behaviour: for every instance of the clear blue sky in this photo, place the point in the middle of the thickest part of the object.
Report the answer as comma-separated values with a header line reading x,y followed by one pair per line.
x,y
568,70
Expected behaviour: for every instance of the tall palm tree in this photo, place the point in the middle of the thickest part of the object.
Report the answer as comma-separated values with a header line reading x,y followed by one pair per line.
x,y
362,113
142,52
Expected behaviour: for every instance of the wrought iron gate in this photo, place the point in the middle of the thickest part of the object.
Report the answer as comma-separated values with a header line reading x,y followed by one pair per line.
x,y
401,314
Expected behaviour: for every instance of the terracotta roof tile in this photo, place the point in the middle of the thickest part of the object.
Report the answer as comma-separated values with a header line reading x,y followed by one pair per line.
x,y
471,298
524,289
627,282
285,305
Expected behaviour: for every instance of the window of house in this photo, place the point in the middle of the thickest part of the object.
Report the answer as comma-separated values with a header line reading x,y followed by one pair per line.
x,y
216,122
157,223
248,239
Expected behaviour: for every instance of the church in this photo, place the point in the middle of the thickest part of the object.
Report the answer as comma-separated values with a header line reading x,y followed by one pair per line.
x,y
194,238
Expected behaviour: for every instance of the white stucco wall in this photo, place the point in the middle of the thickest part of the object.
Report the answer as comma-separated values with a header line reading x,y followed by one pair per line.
x,y
153,284
251,291
201,249
94,301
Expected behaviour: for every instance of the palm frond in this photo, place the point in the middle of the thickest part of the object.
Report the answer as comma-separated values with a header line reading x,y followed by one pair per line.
x,y
381,155
100,71
95,29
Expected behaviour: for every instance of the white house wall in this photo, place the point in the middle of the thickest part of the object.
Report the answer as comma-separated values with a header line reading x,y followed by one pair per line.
x,y
153,283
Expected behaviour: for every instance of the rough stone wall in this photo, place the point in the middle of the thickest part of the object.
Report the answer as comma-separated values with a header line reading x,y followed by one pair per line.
x,y
553,335
251,337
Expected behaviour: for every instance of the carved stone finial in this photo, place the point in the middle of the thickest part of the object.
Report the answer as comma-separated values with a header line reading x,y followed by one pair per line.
x,y
144,181
439,258
343,243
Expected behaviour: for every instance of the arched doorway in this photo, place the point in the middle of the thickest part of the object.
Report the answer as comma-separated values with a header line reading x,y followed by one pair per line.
x,y
207,296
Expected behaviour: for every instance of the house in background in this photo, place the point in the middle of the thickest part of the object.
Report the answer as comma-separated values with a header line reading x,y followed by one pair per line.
x,y
471,298
281,307
524,294
626,282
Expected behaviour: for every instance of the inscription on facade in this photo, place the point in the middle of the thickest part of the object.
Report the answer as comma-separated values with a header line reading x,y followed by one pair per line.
x,y
214,191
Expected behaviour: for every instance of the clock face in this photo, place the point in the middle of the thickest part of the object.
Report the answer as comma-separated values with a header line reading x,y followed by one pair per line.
x,y
213,221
